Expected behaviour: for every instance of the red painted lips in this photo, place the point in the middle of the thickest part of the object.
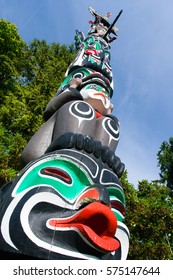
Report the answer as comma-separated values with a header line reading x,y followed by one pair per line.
x,y
97,224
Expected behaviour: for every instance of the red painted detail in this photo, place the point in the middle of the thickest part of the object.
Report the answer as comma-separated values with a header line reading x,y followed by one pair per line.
x,y
58,172
100,94
91,52
117,205
98,115
96,222
91,193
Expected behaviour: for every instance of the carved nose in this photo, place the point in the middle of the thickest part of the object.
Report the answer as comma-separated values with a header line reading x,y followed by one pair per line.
x,y
103,194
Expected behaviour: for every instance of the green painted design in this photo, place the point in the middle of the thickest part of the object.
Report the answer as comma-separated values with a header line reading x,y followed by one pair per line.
x,y
33,177
95,43
78,73
92,59
115,192
97,88
91,43
118,216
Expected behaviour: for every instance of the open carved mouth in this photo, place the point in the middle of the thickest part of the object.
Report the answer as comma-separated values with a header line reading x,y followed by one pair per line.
x,y
96,222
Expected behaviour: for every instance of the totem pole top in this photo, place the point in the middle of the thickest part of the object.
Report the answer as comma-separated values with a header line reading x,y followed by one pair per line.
x,y
104,19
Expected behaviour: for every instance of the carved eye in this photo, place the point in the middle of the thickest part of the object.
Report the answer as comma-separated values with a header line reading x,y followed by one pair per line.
x,y
57,173
78,75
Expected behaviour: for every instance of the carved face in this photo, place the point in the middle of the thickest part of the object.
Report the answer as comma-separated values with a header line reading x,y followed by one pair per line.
x,y
94,54
95,88
64,206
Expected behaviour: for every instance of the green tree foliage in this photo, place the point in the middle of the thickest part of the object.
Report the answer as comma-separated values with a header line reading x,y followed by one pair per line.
x,y
165,162
30,75
10,147
10,56
150,220
42,71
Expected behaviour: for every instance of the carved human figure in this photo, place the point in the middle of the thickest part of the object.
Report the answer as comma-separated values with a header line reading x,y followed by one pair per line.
x,y
59,119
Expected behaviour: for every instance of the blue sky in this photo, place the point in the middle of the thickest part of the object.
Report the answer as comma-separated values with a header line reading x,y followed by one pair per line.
x,y
141,58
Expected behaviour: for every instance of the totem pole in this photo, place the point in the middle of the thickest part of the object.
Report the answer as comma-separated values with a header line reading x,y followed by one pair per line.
x,y
67,201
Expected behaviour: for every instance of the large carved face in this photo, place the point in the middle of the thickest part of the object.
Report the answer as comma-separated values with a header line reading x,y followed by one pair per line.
x,y
64,205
